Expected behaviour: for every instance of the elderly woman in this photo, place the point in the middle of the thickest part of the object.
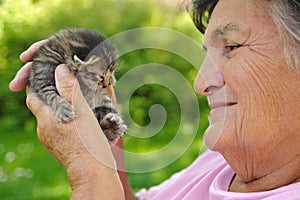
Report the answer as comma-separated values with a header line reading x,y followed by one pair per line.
x,y
251,79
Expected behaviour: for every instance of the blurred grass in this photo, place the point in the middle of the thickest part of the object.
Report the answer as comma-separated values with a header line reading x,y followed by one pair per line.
x,y
27,171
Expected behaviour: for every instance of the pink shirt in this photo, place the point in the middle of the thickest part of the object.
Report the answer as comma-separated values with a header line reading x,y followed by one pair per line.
x,y
209,178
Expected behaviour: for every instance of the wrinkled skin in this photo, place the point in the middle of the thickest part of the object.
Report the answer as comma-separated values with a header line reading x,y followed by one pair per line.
x,y
80,145
254,96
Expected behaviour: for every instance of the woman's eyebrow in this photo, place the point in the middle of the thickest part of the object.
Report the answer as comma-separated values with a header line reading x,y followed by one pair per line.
x,y
223,30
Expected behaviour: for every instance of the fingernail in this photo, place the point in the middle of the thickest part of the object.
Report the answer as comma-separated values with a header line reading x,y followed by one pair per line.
x,y
22,54
11,84
62,70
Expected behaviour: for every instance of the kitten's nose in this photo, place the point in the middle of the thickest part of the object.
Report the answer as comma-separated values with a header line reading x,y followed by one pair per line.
x,y
104,86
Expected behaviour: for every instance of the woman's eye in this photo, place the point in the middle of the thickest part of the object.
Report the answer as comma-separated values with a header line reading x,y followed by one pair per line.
x,y
232,47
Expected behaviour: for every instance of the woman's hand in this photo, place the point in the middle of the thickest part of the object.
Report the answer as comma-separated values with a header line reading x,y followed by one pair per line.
x,y
79,146
68,87
82,137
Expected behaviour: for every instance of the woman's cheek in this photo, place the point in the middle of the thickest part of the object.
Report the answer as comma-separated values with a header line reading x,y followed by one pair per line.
x,y
258,93
245,83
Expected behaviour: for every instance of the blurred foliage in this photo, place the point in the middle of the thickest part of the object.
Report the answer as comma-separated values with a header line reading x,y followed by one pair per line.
x,y
27,171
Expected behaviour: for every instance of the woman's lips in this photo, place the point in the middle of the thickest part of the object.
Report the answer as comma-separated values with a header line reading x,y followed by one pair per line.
x,y
221,104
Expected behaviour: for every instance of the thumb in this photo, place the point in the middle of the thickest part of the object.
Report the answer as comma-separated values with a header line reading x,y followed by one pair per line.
x,y
87,125
66,82
69,88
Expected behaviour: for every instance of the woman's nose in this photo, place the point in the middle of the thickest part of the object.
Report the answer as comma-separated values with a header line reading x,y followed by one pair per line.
x,y
208,78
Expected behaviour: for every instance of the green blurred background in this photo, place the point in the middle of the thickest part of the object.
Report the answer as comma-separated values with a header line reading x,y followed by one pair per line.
x,y
27,171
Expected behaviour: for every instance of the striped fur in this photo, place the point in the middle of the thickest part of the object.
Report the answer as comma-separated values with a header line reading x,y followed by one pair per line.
x,y
93,59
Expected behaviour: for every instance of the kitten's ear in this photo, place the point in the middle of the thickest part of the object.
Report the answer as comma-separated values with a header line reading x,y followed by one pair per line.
x,y
92,60
76,64
78,61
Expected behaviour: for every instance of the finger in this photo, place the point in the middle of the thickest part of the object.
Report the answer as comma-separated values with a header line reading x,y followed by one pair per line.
x,y
114,142
27,55
68,87
65,82
21,78
87,126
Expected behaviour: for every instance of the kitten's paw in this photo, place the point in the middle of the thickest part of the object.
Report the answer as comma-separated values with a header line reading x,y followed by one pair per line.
x,y
65,112
112,126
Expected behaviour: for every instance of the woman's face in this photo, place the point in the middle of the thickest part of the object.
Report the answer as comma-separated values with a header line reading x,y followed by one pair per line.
x,y
253,95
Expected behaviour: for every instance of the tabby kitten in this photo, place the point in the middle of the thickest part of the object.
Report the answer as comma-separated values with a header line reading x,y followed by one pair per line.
x,y
93,59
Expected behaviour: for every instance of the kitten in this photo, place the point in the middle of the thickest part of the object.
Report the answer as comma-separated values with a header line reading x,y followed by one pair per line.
x,y
93,59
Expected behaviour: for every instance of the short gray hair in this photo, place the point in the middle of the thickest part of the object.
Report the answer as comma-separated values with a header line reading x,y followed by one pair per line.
x,y
285,13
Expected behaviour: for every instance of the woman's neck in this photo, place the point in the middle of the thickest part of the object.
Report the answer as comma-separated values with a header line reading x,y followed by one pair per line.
x,y
288,174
